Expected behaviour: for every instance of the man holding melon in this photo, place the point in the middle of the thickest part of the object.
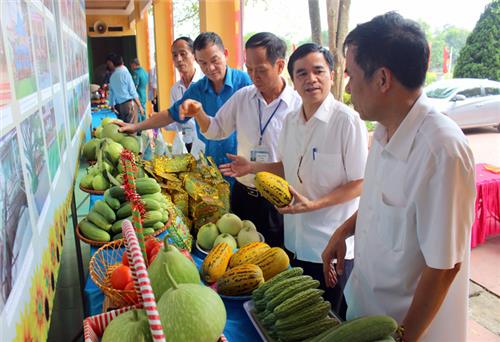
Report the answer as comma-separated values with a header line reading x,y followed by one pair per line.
x,y
321,152
414,221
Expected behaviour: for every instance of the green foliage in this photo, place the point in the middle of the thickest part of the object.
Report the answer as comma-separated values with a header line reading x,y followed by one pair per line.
x,y
346,98
430,77
370,126
480,58
449,36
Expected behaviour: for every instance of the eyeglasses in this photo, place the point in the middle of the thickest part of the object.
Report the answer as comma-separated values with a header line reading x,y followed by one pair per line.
x,y
298,169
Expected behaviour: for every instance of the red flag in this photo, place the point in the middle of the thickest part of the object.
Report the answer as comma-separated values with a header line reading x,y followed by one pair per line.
x,y
446,59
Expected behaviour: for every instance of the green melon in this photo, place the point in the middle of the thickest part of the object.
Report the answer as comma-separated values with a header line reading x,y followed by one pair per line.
x,y
130,326
131,143
90,148
111,131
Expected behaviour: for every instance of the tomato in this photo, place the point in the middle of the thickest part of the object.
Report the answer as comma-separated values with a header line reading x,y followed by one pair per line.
x,y
121,276
125,259
130,286
150,244
154,253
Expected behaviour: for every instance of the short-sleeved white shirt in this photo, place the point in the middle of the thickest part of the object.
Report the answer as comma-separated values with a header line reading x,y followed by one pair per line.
x,y
176,93
241,114
416,209
333,143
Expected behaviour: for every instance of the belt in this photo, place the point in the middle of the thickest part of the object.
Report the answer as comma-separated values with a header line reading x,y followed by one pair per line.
x,y
251,191
126,102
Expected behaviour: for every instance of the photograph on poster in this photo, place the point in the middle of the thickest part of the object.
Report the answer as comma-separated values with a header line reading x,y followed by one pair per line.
x,y
71,113
18,46
52,40
5,92
36,165
60,125
40,48
15,224
49,5
49,126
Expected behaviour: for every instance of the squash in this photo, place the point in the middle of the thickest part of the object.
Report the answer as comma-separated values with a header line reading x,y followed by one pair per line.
x,y
250,251
271,262
216,262
240,280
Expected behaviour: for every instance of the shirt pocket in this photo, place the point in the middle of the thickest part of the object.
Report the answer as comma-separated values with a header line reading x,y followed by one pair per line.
x,y
328,170
391,225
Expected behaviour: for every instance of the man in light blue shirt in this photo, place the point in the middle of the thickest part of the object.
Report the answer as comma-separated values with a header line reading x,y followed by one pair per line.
x,y
213,90
122,92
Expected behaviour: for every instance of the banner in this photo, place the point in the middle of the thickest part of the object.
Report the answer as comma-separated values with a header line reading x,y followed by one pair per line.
x,y
44,112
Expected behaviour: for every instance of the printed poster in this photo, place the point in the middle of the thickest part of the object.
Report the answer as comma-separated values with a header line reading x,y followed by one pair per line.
x,y
40,48
49,125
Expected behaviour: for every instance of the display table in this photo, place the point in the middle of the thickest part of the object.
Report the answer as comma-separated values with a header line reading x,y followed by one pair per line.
x,y
487,208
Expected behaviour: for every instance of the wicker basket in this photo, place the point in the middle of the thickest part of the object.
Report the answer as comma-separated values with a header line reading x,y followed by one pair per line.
x,y
91,191
171,214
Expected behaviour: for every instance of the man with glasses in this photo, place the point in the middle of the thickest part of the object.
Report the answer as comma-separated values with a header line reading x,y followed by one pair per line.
x,y
322,153
256,113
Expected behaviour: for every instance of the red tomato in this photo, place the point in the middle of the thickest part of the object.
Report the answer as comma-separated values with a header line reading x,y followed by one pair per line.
x,y
154,253
125,259
121,276
130,286
150,244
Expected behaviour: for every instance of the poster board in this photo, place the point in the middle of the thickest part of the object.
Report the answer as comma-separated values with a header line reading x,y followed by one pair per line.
x,y
44,112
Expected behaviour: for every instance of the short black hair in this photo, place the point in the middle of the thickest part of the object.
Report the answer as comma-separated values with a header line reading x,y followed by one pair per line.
x,y
306,49
275,46
114,58
391,41
188,40
206,38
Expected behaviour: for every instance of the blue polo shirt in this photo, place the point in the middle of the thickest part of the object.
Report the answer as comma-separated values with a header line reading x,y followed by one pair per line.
x,y
203,92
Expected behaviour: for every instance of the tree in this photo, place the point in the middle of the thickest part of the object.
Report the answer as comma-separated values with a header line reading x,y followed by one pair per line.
x,y
338,20
480,58
315,21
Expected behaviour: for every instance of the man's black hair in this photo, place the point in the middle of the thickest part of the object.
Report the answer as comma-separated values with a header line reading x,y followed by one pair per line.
x,y
115,59
393,42
188,40
204,39
275,46
306,49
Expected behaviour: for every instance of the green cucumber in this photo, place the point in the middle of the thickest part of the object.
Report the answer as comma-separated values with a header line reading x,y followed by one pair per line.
x,y
104,209
278,288
112,202
92,232
99,220
124,211
158,225
370,328
292,290
299,301
269,320
151,217
308,315
150,204
145,186
117,226
304,331
117,192
148,231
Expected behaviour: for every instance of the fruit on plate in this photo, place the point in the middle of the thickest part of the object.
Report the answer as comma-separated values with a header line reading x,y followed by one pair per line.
x,y
247,235
230,224
227,238
181,269
120,277
273,188
130,326
216,262
206,235
240,280
248,224
191,312
245,254
271,262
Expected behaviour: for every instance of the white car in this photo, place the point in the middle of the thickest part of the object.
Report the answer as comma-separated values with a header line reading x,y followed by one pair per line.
x,y
469,102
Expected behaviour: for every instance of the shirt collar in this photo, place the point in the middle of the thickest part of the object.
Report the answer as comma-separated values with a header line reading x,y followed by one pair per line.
x,y
228,80
287,95
324,111
402,141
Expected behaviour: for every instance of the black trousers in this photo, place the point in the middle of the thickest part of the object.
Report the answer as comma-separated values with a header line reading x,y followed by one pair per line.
x,y
334,295
249,205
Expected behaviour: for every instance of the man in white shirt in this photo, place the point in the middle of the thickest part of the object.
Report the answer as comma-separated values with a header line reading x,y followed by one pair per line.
x,y
256,113
413,225
322,152
184,62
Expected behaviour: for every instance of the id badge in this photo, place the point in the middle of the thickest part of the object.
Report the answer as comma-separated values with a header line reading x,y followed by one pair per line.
x,y
260,154
187,132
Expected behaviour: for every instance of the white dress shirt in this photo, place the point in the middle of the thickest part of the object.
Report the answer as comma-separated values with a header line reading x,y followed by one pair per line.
x,y
333,146
187,129
241,114
416,209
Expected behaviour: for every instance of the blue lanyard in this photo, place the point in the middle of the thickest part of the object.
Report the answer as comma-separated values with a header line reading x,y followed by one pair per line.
x,y
262,130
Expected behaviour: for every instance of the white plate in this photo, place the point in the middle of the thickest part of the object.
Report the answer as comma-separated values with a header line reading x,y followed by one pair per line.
x,y
204,251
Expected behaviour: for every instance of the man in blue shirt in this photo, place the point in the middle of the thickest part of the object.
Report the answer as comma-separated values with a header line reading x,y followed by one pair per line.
x,y
212,91
140,77
122,92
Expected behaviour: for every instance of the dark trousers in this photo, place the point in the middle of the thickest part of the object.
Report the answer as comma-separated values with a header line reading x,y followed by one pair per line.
x,y
127,111
249,205
334,295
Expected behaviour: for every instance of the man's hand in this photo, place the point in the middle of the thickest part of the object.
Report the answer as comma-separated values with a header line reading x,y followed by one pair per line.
x,y
190,108
300,204
239,166
335,249
126,127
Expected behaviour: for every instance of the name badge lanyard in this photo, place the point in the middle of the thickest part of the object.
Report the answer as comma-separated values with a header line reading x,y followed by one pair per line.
x,y
263,129
305,150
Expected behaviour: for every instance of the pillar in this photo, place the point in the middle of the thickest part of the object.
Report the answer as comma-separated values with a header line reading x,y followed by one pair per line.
x,y
224,18
142,43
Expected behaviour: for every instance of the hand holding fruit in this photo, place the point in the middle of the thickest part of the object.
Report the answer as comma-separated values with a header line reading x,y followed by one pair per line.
x,y
190,108
300,204
239,166
126,127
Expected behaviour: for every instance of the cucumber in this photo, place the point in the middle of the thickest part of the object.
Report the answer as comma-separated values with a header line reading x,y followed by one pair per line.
x,y
117,192
104,209
308,315
164,215
370,328
291,291
124,211
269,320
91,231
158,225
260,305
145,186
148,231
97,219
258,293
117,226
302,332
150,204
157,196
151,217
278,288
112,202
298,302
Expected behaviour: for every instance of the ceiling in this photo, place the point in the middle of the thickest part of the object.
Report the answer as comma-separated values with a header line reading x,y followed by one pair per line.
x,y
110,7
